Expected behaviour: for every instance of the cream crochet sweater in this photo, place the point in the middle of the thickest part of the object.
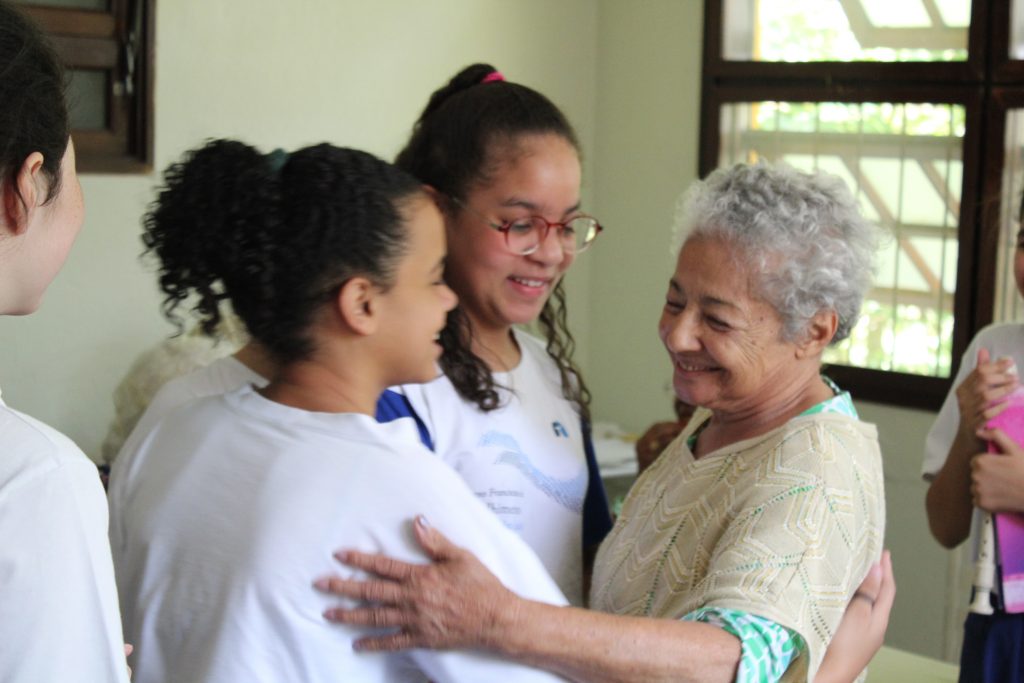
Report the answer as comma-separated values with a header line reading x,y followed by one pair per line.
x,y
784,525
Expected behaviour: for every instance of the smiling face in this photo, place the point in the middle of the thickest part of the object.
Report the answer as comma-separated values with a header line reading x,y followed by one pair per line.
x,y
415,306
725,343
539,175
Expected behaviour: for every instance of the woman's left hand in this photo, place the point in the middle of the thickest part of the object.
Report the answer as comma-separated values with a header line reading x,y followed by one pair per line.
x,y
453,602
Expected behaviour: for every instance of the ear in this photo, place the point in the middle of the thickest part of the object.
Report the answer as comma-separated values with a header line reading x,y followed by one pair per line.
x,y
435,195
442,201
22,195
819,332
357,304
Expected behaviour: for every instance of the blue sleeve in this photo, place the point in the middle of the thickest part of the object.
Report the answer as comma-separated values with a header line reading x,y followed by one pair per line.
x,y
392,406
597,516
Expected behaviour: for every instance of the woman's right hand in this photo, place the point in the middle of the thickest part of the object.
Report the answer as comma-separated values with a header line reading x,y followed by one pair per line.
x,y
452,602
980,396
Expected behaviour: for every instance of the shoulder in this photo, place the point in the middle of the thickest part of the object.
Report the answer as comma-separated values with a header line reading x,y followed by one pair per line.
x,y
999,338
825,446
219,377
36,455
30,445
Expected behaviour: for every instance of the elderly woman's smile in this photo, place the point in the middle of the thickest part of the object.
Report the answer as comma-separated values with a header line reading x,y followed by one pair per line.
x,y
726,344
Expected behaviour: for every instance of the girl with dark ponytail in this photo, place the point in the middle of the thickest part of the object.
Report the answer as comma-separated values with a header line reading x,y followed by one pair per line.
x,y
230,504
58,602
511,411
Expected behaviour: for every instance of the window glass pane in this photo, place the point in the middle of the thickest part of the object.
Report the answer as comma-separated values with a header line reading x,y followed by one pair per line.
x,y
101,5
903,163
1017,29
87,99
846,30
1008,307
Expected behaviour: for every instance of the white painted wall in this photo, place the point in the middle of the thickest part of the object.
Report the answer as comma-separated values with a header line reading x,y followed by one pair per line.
x,y
274,74
627,72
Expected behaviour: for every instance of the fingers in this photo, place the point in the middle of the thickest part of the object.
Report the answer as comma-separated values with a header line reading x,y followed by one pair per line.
x,y
983,356
436,544
381,565
872,584
375,617
389,643
383,592
887,591
1003,443
128,649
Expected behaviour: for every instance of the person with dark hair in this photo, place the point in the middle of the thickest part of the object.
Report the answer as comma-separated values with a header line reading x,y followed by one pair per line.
x,y
511,412
58,604
333,259
737,551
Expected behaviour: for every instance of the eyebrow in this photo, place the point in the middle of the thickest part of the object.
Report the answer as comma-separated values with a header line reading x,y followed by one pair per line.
x,y
530,206
705,300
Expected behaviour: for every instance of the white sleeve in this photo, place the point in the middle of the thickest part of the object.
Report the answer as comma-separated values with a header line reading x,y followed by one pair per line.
x,y
58,615
947,422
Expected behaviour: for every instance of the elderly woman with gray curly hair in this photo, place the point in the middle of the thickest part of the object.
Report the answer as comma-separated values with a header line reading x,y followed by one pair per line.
x,y
751,532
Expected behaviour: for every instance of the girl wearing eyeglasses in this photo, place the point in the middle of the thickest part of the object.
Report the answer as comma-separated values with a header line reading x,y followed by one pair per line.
x,y
510,412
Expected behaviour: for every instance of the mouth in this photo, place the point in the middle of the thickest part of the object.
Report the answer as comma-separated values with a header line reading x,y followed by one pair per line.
x,y
693,367
530,282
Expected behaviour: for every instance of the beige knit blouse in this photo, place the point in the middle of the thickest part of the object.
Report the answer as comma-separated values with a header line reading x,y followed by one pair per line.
x,y
784,525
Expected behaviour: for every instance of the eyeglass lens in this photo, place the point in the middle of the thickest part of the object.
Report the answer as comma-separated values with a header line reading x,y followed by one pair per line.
x,y
575,236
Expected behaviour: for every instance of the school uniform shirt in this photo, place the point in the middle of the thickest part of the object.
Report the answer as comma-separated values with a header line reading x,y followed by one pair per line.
x,y
1001,340
219,377
529,461
241,503
59,616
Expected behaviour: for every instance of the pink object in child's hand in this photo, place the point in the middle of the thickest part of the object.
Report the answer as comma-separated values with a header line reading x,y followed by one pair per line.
x,y
1009,527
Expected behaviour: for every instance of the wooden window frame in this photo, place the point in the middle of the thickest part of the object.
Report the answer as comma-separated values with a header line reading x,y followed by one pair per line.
x,y
987,85
90,39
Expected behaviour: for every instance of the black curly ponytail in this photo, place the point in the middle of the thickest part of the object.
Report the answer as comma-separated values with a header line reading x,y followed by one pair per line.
x,y
276,235
451,147
213,213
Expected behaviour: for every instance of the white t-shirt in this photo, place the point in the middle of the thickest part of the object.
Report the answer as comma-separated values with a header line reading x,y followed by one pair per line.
x,y
219,377
525,460
1004,339
239,506
157,365
59,616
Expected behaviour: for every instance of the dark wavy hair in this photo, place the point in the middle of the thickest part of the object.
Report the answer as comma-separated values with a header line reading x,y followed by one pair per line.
x,y
276,234
33,112
453,148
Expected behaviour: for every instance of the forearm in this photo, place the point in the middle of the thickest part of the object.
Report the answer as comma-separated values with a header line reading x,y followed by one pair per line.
x,y
593,647
948,501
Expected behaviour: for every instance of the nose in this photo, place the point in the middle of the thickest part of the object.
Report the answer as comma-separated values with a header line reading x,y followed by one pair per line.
x,y
449,298
679,332
551,251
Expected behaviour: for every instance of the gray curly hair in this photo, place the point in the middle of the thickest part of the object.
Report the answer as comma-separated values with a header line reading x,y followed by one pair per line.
x,y
802,235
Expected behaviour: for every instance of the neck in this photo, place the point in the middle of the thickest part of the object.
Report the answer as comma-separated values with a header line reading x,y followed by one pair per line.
x,y
255,357
320,387
785,400
494,345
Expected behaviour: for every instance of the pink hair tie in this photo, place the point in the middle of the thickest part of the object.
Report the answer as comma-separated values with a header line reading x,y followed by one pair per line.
x,y
493,76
